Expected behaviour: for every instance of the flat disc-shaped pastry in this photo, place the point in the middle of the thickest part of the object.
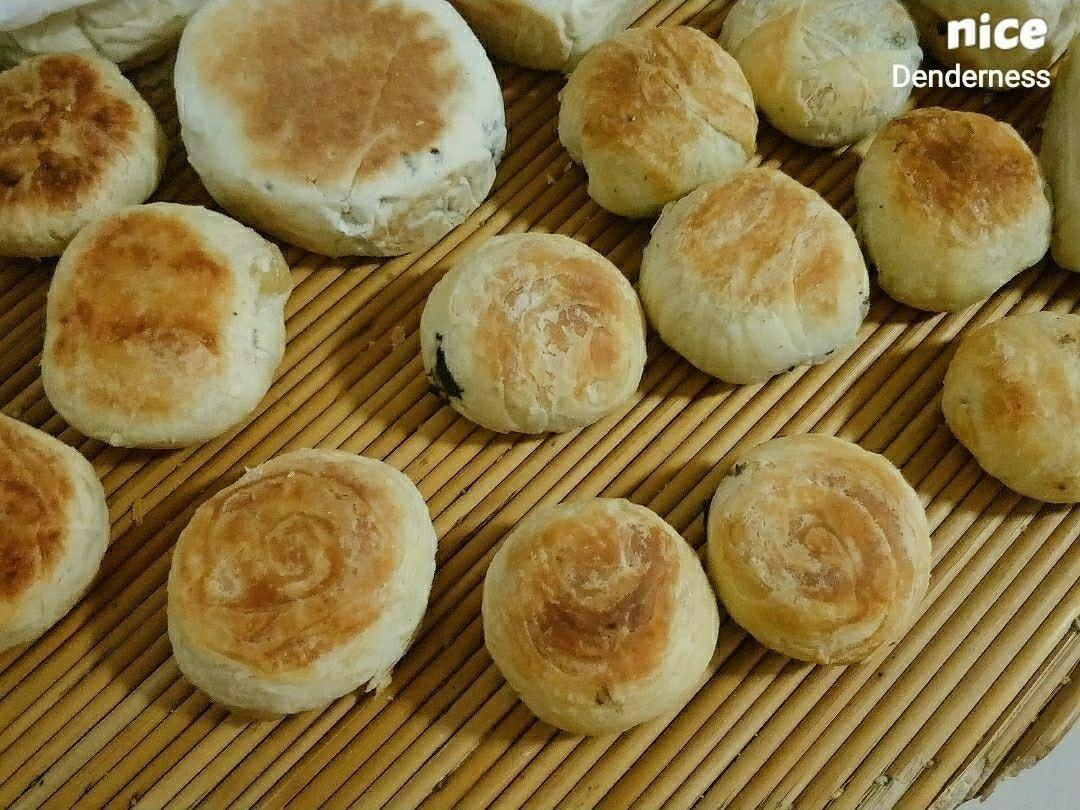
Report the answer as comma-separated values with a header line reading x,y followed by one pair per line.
x,y
822,70
534,333
304,580
818,548
967,185
654,113
1012,397
753,276
599,615
368,127
164,326
77,142
54,528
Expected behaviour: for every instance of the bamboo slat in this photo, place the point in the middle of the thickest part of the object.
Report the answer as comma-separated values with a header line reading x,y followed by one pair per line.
x,y
96,712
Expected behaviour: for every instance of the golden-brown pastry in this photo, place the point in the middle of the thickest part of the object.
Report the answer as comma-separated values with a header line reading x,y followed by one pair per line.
x,y
164,326
753,276
54,528
348,127
1012,397
818,548
599,615
534,332
952,205
822,70
77,142
304,580
1061,158
654,113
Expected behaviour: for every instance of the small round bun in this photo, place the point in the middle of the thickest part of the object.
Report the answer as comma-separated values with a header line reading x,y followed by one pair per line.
x,y
164,326
822,70
1061,158
655,113
547,34
751,277
54,528
599,615
1012,397
534,333
818,548
77,142
356,127
128,32
303,581
966,185
932,17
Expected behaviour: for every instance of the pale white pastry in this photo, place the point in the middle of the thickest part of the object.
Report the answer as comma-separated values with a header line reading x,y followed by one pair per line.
x,y
654,113
599,615
77,142
932,18
355,127
164,326
753,276
303,581
54,529
818,548
533,333
1012,397
1061,159
951,206
547,34
822,70
129,32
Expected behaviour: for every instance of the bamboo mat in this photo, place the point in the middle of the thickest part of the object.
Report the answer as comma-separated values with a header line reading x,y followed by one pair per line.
x,y
96,712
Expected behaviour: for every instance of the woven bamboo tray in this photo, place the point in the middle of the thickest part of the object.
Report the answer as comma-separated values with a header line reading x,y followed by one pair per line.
x,y
97,713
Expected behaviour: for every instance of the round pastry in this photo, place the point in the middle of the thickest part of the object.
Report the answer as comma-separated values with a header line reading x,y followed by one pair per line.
x,y
533,333
1012,397
356,127
129,32
822,70
77,142
164,326
818,548
932,18
753,276
54,528
599,615
655,113
547,34
967,185
1061,159
303,581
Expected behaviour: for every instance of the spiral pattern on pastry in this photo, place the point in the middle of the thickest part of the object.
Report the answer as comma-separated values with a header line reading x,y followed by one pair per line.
x,y
315,560
818,548
599,615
